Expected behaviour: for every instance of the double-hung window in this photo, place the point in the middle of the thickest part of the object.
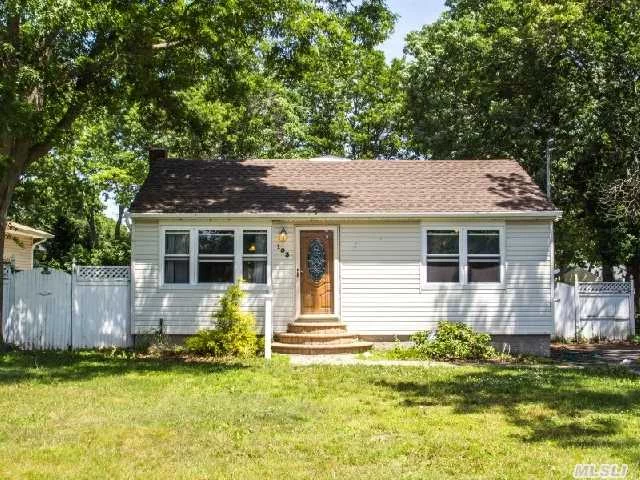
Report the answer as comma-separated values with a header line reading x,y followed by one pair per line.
x,y
216,257
176,256
254,256
443,256
483,256
462,255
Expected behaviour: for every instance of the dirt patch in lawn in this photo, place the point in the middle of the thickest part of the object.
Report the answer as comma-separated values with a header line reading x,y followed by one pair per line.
x,y
623,353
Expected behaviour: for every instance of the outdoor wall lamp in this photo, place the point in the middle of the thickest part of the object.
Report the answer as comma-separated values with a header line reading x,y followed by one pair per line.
x,y
282,238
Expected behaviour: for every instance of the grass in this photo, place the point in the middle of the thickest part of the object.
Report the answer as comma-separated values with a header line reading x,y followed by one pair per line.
x,y
89,415
407,352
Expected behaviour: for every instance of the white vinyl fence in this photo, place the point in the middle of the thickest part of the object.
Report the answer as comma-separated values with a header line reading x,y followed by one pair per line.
x,y
587,310
51,309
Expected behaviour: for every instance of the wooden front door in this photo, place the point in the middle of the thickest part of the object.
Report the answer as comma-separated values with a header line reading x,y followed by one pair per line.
x,y
316,271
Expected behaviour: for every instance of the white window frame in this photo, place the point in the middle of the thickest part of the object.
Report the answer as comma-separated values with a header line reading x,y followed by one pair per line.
x,y
255,256
211,257
175,256
483,256
462,229
194,232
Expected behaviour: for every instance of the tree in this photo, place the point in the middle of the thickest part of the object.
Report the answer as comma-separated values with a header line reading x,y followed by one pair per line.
x,y
60,60
60,195
323,89
496,78
185,69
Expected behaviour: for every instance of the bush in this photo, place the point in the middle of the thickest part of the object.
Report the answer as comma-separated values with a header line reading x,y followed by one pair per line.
x,y
454,341
154,342
234,334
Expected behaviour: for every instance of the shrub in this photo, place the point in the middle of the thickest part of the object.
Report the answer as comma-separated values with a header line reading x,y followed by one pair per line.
x,y
234,334
153,342
454,341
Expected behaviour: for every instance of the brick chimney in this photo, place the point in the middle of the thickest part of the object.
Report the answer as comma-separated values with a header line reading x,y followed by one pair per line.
x,y
157,153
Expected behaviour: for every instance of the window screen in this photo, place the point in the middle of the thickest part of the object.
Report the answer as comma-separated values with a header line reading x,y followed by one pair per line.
x,y
254,256
216,256
483,256
176,256
443,256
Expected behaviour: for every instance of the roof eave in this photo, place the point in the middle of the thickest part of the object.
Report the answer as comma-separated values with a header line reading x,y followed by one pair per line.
x,y
530,214
17,229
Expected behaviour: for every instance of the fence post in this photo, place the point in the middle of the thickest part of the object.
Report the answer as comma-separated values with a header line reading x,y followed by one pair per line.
x,y
632,308
73,296
268,326
7,300
576,306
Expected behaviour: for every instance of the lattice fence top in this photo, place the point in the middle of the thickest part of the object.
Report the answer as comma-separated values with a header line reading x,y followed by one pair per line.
x,y
605,288
97,274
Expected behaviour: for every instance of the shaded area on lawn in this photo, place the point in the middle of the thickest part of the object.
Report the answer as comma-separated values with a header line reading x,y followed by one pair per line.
x,y
571,408
56,366
185,418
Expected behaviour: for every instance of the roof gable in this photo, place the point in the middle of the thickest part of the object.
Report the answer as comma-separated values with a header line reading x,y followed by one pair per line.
x,y
350,187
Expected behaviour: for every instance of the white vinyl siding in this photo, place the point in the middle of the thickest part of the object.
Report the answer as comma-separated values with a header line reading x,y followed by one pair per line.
x,y
381,291
283,277
380,281
184,309
19,250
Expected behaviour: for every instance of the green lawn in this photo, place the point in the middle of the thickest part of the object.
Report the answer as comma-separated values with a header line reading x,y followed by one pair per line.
x,y
89,415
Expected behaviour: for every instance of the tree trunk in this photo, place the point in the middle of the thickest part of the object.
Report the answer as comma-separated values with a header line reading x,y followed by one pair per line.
x,y
116,232
607,272
93,230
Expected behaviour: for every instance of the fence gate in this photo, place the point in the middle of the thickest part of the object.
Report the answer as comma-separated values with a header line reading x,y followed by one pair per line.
x,y
39,314
587,310
51,309
101,307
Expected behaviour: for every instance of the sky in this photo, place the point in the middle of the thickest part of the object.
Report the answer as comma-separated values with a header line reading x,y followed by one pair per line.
x,y
412,15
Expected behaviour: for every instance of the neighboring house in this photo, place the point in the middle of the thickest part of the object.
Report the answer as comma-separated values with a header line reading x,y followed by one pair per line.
x,y
378,248
20,242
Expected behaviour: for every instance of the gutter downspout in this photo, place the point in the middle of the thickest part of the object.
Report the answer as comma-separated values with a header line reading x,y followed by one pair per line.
x,y
33,248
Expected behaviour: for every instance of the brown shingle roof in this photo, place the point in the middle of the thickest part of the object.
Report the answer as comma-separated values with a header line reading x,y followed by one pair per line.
x,y
358,186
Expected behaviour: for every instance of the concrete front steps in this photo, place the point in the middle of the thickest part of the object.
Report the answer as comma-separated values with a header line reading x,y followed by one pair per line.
x,y
318,335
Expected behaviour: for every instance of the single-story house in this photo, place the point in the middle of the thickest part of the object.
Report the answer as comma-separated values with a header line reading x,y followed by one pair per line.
x,y
374,248
20,241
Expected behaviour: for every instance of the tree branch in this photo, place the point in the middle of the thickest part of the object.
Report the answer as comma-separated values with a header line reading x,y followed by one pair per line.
x,y
85,78
41,148
163,45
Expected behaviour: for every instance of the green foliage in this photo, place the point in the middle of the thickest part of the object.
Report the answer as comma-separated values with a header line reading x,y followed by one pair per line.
x,y
206,342
320,87
85,89
454,341
399,352
234,334
498,78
